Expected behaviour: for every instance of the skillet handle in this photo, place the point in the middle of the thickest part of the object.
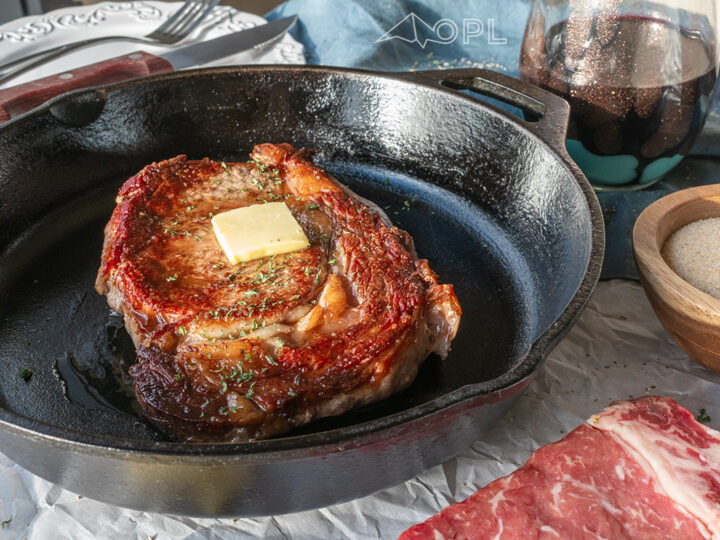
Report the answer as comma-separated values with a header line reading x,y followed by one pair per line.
x,y
552,111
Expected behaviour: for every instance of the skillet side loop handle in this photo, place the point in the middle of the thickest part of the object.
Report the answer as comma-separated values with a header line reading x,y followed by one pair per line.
x,y
552,111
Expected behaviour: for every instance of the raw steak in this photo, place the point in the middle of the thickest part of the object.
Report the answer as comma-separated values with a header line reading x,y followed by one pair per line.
x,y
640,469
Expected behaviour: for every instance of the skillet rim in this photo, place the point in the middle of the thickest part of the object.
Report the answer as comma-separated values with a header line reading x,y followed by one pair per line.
x,y
359,434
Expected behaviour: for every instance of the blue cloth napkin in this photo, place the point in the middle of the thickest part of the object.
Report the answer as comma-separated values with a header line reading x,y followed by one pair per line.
x,y
346,32
380,35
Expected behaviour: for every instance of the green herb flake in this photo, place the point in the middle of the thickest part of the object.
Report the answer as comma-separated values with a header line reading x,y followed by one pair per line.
x,y
313,206
26,374
703,417
172,278
178,377
181,331
251,392
5,524
291,393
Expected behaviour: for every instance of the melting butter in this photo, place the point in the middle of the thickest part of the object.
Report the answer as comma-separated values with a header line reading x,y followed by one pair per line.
x,y
257,231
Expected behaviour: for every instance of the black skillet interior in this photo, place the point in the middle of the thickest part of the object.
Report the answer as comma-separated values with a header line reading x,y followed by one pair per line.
x,y
487,205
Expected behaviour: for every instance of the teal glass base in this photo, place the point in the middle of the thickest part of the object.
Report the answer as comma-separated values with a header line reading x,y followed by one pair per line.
x,y
618,171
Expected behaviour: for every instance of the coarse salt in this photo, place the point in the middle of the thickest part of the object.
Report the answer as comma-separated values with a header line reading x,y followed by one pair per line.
x,y
693,252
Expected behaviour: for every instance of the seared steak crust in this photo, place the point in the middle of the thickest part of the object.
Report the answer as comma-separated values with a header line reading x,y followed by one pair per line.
x,y
248,351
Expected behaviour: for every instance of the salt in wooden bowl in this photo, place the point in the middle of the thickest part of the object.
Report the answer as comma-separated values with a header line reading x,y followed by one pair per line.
x,y
690,316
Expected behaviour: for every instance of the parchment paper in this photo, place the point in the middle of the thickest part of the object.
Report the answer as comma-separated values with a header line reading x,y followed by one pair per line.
x,y
617,350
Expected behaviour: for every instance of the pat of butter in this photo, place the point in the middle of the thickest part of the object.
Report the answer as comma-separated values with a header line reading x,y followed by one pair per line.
x,y
258,231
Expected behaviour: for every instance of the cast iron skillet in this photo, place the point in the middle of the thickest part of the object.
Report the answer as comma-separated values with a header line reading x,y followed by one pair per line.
x,y
493,202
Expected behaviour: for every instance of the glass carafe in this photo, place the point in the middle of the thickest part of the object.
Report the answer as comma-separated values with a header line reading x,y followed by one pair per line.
x,y
638,75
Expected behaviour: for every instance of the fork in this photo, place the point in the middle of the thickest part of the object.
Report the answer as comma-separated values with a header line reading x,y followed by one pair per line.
x,y
175,29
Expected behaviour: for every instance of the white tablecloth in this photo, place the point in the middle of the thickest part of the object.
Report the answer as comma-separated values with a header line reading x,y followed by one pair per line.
x,y
617,350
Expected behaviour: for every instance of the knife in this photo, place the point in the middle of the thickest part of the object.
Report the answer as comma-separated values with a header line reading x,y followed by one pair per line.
x,y
22,98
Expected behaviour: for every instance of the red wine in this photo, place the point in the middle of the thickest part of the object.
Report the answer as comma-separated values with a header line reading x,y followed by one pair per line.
x,y
637,86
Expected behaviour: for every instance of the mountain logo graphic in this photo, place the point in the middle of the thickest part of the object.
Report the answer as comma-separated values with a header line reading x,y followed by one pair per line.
x,y
414,30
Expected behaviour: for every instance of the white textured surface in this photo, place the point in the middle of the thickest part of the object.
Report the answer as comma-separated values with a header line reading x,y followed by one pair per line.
x,y
24,36
693,252
617,350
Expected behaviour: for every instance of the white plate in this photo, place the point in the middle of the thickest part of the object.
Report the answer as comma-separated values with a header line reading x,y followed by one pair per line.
x,y
21,37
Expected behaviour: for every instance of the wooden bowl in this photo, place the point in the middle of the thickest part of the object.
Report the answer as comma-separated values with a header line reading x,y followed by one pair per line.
x,y
690,316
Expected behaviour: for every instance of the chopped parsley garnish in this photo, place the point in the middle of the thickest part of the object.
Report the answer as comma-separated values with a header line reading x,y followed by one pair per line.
x,y
332,261
178,377
223,389
251,392
181,331
291,393
251,293
172,278
703,417
26,374
313,206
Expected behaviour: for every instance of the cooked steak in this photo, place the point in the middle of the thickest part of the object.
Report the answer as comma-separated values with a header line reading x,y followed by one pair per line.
x,y
247,351
639,469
